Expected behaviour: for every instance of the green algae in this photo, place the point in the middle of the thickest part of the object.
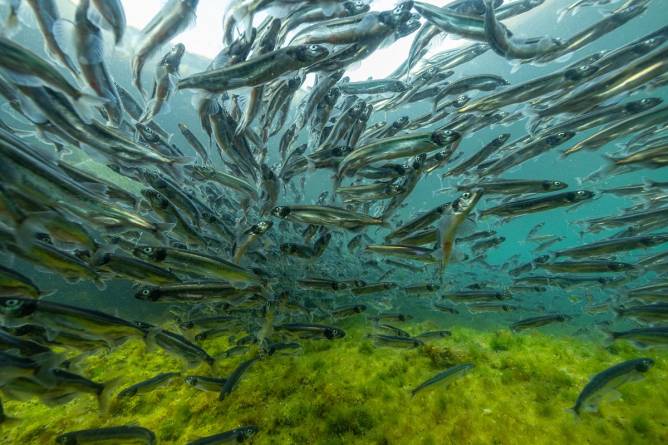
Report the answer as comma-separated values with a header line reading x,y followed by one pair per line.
x,y
348,391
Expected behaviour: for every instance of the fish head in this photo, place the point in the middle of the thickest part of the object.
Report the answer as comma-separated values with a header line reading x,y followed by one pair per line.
x,y
173,57
581,72
356,7
550,186
332,333
644,364
43,237
246,432
409,27
466,201
357,109
311,53
418,162
67,439
143,325
501,139
280,211
559,138
148,294
155,198
150,253
17,307
460,101
191,380
262,227
651,43
395,189
366,114
617,266
581,195
332,95
289,248
402,10
339,152
443,137
644,104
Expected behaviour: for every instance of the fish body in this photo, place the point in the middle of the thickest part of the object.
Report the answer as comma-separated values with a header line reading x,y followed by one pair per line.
x,y
444,377
609,380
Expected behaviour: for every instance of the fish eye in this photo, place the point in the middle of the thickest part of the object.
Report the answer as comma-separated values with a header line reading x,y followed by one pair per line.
x,y
313,48
557,183
12,303
146,292
466,195
148,249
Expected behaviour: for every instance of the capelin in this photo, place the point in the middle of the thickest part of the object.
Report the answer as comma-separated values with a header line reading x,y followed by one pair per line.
x,y
553,185
581,72
460,101
148,294
332,333
580,195
643,104
443,137
559,138
150,253
280,211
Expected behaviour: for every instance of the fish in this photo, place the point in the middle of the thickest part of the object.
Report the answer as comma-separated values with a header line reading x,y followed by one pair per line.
x,y
515,186
13,283
136,434
19,61
256,71
503,42
311,330
444,377
165,78
233,380
172,19
147,385
605,247
174,343
643,337
204,383
325,216
238,435
476,295
451,221
433,334
529,205
114,14
542,320
57,317
652,313
395,341
50,23
197,263
608,381
395,148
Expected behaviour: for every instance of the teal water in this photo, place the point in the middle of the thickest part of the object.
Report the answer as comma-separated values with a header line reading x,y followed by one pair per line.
x,y
584,336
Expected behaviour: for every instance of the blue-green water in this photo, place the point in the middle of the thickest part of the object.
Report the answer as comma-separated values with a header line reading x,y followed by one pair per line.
x,y
355,389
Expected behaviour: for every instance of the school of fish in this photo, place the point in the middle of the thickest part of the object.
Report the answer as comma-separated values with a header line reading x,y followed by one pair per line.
x,y
291,208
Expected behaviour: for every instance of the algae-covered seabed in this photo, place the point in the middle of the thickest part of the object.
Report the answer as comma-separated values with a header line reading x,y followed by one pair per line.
x,y
349,391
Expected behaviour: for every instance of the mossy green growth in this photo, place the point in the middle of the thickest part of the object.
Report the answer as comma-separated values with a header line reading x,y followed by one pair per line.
x,y
350,391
